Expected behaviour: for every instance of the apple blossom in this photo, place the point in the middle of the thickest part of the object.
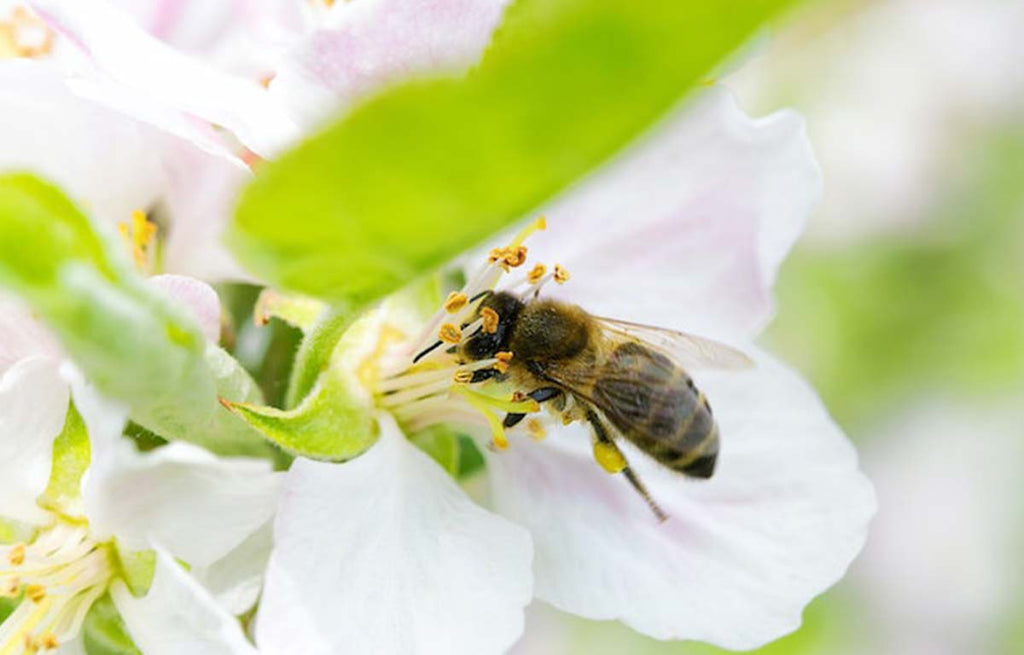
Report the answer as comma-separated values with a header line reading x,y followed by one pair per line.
x,y
686,232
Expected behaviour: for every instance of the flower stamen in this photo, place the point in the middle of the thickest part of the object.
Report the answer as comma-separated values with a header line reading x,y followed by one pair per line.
x,y
139,236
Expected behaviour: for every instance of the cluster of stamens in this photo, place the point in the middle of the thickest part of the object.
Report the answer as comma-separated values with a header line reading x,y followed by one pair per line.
x,y
431,382
23,34
140,237
58,576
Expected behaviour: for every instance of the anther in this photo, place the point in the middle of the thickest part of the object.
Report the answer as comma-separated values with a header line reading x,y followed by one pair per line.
x,y
463,376
535,429
48,641
515,256
31,644
17,555
11,588
561,275
503,361
35,593
536,273
450,333
455,302
490,319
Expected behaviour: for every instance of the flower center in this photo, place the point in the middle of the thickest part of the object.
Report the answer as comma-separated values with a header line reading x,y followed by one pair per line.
x,y
23,34
140,237
58,575
432,381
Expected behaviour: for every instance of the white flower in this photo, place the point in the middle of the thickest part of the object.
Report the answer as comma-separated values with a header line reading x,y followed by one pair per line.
x,y
85,535
687,232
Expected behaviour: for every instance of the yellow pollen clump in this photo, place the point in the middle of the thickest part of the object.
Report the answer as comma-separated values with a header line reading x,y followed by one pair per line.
x,y
508,257
49,641
35,593
463,377
561,275
450,333
490,319
266,79
536,273
503,361
31,644
455,301
535,429
609,457
17,555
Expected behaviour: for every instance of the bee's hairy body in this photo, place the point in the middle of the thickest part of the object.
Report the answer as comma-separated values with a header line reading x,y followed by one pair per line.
x,y
647,398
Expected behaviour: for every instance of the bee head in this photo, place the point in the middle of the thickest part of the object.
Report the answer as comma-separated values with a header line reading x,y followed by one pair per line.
x,y
499,312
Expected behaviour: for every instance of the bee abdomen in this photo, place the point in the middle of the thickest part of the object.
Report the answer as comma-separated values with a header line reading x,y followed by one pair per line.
x,y
660,410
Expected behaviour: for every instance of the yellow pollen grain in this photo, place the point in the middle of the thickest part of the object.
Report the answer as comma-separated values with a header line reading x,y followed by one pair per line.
x,y
35,593
17,555
463,377
561,275
535,429
503,361
49,641
455,301
490,319
450,333
31,644
536,273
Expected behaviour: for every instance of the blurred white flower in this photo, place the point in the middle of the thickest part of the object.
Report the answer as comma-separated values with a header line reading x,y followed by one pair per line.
x,y
939,573
894,92
686,232
88,517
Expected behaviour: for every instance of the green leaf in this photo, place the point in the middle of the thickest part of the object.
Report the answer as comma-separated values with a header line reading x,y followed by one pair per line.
x,y
428,169
131,343
334,422
71,456
103,632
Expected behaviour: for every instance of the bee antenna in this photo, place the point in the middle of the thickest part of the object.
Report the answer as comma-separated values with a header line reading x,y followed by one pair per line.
x,y
426,351
485,292
642,490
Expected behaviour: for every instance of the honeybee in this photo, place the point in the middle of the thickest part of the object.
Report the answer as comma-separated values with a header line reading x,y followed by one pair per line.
x,y
624,379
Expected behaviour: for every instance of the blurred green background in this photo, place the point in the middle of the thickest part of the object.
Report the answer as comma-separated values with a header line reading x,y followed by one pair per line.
x,y
904,305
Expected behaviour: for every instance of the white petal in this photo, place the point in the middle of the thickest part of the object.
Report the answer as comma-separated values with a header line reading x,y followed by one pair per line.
x,y
153,78
687,230
197,297
178,616
385,554
375,42
22,335
49,131
73,647
784,514
33,405
235,580
197,505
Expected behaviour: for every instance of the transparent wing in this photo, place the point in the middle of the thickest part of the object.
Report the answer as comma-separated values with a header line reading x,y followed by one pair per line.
x,y
687,350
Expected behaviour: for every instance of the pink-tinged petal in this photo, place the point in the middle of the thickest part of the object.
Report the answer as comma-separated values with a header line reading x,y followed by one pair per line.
x,y
197,297
33,405
372,43
178,616
131,67
386,554
22,335
200,507
782,517
688,229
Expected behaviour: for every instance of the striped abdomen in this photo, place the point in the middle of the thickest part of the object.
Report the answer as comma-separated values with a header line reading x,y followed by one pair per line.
x,y
654,404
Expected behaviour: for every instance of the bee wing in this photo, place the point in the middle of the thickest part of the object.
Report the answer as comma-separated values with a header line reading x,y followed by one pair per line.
x,y
687,350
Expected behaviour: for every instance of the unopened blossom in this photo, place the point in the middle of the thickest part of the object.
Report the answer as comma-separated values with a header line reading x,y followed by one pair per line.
x,y
686,232
93,516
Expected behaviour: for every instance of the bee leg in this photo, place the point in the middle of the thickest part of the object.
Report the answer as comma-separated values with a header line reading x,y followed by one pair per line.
x,y
540,395
612,460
